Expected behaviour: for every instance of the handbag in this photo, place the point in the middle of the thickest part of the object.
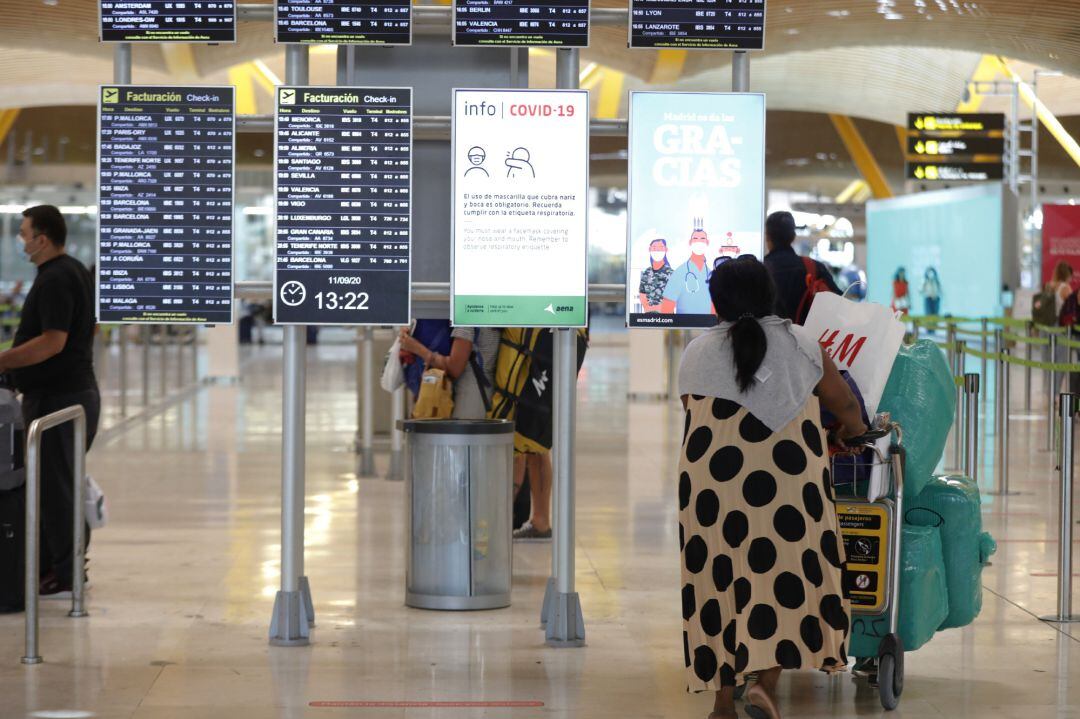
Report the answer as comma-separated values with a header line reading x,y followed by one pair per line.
x,y
393,374
436,397
860,337
95,505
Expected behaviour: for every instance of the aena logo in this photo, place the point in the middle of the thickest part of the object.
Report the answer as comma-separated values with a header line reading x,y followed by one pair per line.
x,y
846,351
540,383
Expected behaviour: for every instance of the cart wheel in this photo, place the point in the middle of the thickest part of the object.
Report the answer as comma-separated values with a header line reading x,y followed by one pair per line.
x,y
890,681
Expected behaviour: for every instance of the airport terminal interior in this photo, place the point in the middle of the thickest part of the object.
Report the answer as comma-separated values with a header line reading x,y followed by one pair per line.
x,y
286,520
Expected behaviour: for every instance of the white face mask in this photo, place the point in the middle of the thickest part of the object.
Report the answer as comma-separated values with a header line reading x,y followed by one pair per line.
x,y
698,248
657,256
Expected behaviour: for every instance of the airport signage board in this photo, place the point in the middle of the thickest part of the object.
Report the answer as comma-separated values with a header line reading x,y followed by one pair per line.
x,y
165,204
698,24
697,199
560,23
167,21
343,183
520,217
343,22
955,147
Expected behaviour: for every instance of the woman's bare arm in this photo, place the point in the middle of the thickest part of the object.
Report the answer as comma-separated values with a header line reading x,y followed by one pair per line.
x,y
838,398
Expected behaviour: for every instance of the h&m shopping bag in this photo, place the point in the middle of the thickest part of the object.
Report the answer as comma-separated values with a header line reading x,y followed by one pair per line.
x,y
860,337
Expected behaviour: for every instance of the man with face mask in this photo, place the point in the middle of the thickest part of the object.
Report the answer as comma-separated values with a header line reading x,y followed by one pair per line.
x,y
687,291
51,363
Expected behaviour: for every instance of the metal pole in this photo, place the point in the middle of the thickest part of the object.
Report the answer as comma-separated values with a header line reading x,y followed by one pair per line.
x,y
985,345
122,63
397,413
181,373
1001,424
122,331
971,422
740,71
566,624
999,411
38,427
958,423
194,355
367,420
145,332
1051,391
290,625
1014,134
1031,332
163,339
1069,405
950,344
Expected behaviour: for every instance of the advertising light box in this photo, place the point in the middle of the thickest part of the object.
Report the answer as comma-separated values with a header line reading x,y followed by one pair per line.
x,y
698,24
697,198
343,162
165,199
560,23
344,22
521,185
168,21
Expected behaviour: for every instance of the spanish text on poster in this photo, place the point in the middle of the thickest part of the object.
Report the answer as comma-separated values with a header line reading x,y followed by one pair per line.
x,y
521,180
697,199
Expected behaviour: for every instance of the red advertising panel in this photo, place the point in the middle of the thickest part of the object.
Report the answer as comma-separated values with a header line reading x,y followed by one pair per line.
x,y
1060,238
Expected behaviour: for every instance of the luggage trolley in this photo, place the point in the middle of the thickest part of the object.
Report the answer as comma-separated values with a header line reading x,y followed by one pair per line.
x,y
868,484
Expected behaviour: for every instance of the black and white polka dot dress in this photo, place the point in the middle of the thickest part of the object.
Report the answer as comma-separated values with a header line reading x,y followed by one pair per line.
x,y
761,551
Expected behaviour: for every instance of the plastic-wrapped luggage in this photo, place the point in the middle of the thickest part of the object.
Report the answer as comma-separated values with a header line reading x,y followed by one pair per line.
x,y
921,396
951,504
924,602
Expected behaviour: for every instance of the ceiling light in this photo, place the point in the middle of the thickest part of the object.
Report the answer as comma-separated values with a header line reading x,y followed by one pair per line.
x,y
792,31
838,13
51,3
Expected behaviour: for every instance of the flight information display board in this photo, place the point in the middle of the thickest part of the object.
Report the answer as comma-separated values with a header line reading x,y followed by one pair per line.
x,y
168,20
698,24
344,22
343,159
165,199
560,23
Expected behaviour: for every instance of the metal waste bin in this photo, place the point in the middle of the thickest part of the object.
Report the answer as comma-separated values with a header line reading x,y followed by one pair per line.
x,y
459,475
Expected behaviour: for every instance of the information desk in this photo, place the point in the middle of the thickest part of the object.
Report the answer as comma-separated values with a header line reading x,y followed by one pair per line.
x,y
165,193
343,183
168,21
698,24
344,22
560,23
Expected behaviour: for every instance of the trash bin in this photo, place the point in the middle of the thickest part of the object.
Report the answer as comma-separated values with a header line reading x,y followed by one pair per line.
x,y
459,475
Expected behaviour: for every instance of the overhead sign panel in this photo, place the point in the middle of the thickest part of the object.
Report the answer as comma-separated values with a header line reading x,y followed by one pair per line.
x,y
165,199
955,147
344,22
343,160
521,185
698,24
561,23
168,21
697,198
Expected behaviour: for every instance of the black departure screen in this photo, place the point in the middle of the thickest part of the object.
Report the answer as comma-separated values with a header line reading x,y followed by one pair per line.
x,y
165,198
561,23
343,183
701,24
344,22
168,20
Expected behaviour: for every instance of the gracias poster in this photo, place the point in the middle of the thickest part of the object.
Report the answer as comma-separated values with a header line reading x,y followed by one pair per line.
x,y
697,198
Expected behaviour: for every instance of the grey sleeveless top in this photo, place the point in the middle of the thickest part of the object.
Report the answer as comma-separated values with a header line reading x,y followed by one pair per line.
x,y
787,377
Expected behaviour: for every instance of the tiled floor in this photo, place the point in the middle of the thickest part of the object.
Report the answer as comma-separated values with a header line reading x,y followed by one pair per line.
x,y
184,579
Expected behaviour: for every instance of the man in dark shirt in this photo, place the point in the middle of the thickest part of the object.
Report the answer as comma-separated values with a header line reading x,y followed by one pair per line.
x,y
51,361
787,268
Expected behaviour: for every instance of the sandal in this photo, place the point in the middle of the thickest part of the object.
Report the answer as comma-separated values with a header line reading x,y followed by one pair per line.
x,y
759,705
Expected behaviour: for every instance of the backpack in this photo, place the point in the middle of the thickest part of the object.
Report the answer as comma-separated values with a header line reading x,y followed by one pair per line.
x,y
814,285
1042,308
1070,311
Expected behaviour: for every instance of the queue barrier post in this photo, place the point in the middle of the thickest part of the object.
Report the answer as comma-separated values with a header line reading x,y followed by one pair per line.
x,y
77,416
1051,390
1068,407
1001,425
985,349
950,344
959,349
366,445
1031,332
971,426
396,472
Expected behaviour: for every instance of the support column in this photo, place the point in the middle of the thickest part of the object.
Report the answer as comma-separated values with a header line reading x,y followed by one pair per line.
x,y
565,623
122,63
365,385
293,609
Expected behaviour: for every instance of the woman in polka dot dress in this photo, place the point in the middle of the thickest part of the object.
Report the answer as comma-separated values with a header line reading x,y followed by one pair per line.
x,y
761,548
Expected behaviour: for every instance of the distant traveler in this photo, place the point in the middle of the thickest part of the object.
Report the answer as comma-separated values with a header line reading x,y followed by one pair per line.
x,y
654,278
761,548
901,301
471,358
51,362
931,292
790,272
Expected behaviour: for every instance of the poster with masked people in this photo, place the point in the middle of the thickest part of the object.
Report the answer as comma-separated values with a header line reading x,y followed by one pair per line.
x,y
697,199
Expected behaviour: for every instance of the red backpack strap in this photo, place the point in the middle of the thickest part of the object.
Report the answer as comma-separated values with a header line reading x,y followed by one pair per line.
x,y
811,279
811,271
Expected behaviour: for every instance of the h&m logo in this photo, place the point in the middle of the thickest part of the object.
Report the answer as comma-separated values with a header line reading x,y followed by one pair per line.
x,y
846,351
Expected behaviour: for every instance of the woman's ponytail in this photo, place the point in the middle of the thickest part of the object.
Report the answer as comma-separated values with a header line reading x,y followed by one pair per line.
x,y
749,345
